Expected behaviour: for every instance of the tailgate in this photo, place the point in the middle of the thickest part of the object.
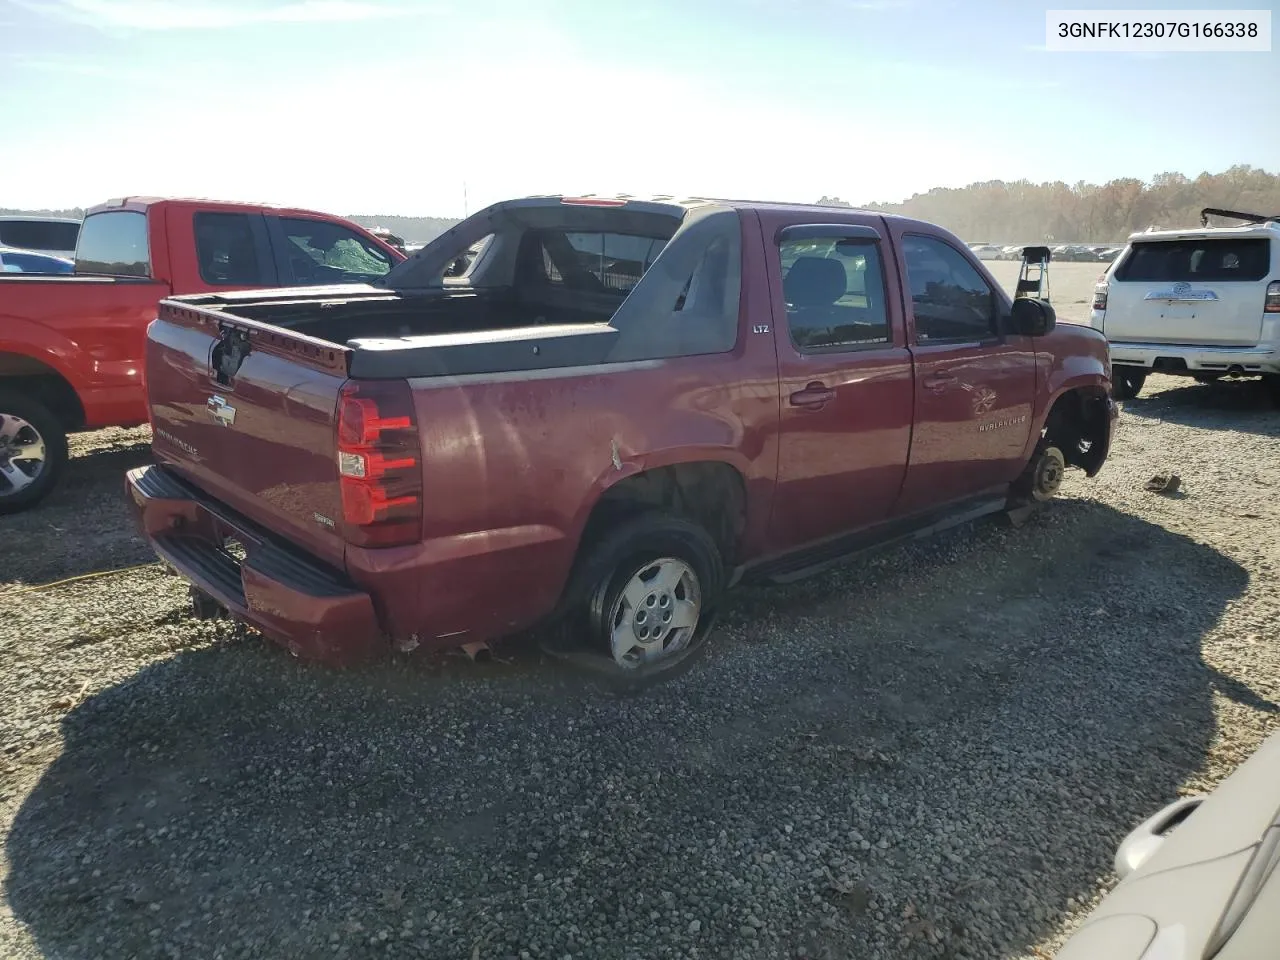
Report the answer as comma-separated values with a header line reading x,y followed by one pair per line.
x,y
1206,291
246,412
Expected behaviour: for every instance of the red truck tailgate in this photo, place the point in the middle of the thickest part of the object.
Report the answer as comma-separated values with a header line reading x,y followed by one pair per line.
x,y
263,439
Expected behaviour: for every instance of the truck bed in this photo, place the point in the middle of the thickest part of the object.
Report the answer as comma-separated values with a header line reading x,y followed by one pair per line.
x,y
377,335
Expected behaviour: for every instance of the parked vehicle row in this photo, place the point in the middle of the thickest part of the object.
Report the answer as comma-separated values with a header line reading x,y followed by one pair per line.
x,y
619,409
1064,253
71,347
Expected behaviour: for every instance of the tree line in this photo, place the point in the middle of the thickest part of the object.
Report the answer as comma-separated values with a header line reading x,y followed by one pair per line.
x,y
996,211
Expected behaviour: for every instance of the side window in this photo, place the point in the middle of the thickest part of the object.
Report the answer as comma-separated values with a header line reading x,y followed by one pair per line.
x,y
226,251
950,298
114,244
834,292
320,252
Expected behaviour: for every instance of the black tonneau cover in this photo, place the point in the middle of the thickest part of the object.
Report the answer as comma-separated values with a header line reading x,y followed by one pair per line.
x,y
482,351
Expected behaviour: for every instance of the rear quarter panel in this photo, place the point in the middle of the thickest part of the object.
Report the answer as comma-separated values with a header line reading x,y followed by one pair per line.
x,y
514,463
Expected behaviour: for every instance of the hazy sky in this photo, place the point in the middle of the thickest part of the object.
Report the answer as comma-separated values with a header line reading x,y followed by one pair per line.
x,y
366,106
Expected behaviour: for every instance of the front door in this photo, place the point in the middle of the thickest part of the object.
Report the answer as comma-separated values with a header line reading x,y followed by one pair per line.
x,y
975,384
845,378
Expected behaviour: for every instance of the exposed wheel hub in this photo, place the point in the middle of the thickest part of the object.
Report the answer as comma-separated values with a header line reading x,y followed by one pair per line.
x,y
1049,471
22,454
656,614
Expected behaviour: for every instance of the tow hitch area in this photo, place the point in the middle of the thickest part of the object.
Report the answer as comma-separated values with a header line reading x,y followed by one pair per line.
x,y
204,607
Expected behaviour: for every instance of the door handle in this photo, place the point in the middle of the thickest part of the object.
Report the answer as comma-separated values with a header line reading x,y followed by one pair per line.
x,y
814,394
937,381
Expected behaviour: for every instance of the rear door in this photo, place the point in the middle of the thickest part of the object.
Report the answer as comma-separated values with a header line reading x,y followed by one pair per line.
x,y
845,378
1197,290
975,385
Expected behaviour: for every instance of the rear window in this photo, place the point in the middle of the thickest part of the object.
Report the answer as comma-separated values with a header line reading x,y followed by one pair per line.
x,y
114,243
1201,260
596,262
39,234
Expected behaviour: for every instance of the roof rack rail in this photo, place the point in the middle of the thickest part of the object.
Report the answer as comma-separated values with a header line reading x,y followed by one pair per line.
x,y
1235,215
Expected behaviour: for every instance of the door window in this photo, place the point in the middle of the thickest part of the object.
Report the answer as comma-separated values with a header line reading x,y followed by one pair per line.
x,y
834,292
320,252
950,299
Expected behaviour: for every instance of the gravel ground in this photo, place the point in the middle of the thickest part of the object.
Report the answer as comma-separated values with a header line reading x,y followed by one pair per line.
x,y
929,753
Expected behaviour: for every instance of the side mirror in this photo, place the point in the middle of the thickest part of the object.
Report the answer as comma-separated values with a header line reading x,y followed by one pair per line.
x,y
1032,318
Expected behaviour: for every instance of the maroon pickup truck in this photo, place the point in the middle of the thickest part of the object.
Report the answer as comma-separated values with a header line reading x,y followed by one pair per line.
x,y
616,411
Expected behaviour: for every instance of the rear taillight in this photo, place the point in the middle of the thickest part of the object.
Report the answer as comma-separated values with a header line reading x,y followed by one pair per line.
x,y
379,464
1100,296
1272,303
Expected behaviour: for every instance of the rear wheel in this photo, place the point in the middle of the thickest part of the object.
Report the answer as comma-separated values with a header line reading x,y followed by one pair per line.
x,y
33,452
644,598
1127,381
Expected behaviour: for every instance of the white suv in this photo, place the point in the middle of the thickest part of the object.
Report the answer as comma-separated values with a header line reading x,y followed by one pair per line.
x,y
1199,303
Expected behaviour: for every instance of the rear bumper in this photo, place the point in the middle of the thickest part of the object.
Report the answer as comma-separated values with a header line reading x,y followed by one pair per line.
x,y
308,607
1197,359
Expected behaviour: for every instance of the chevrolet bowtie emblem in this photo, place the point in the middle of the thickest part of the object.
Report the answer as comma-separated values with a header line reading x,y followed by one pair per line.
x,y
221,411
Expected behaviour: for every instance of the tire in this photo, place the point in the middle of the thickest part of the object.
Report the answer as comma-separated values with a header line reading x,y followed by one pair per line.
x,y
27,425
640,575
1127,382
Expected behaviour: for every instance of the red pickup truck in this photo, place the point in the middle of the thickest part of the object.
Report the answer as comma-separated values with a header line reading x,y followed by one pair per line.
x,y
71,347
617,410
